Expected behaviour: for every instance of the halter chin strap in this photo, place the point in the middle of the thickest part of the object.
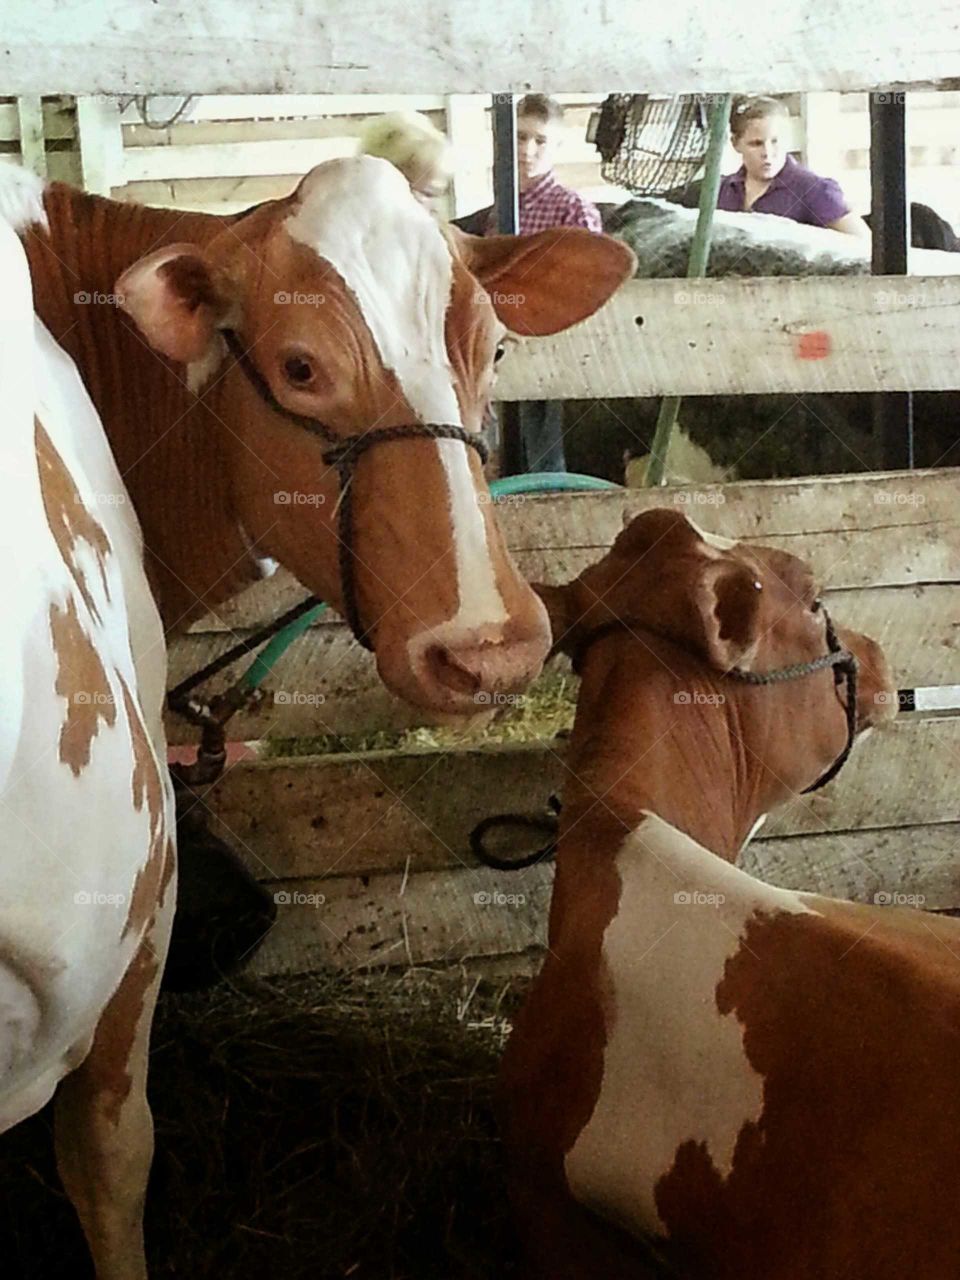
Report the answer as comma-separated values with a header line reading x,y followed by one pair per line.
x,y
843,662
344,454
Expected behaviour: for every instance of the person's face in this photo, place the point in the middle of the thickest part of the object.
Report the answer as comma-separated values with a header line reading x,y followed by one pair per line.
x,y
762,147
536,144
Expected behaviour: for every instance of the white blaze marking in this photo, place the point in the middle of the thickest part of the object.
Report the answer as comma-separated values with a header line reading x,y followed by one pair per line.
x,y
359,215
674,1068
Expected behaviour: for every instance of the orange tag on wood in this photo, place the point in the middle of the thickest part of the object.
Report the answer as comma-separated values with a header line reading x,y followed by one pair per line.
x,y
813,346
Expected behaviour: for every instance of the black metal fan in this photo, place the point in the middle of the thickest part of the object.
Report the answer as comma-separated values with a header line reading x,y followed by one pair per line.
x,y
650,144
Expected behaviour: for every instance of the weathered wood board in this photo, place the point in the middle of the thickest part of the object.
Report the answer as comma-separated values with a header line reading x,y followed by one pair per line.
x,y
436,917
751,336
327,683
354,922
451,46
883,867
887,545
336,815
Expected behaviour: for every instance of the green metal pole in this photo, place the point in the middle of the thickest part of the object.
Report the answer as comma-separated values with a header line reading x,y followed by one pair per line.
x,y
696,268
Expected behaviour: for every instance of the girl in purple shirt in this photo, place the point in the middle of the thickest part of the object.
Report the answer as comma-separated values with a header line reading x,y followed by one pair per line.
x,y
770,181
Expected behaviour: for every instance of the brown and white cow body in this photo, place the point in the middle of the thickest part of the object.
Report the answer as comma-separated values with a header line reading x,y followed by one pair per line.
x,y
734,1079
86,814
358,311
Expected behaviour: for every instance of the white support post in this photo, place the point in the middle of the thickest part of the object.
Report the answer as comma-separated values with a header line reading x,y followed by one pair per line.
x,y
100,136
469,131
33,152
820,115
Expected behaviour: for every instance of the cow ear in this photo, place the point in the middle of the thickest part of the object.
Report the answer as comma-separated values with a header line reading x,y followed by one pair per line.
x,y
545,283
175,299
728,600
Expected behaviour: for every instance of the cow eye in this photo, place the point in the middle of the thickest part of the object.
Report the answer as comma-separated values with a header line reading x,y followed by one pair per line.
x,y
816,606
298,370
499,353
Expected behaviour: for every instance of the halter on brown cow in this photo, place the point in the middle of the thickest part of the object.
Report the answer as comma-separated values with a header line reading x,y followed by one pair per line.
x,y
730,1079
358,312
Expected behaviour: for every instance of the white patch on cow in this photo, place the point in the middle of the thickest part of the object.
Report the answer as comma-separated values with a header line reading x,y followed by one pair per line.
x,y
713,539
753,830
674,1068
483,605
21,197
200,372
359,215
76,841
266,565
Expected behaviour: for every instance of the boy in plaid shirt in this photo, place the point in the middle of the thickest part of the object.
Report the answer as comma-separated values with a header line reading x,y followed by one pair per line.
x,y
544,203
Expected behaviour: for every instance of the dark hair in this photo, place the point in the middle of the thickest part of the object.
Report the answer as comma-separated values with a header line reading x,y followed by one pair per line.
x,y
538,104
745,110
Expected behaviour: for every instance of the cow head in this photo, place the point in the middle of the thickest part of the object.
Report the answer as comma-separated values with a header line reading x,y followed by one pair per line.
x,y
359,311
700,605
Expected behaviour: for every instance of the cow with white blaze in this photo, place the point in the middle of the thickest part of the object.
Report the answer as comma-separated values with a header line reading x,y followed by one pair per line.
x,y
302,354
337,346
711,1073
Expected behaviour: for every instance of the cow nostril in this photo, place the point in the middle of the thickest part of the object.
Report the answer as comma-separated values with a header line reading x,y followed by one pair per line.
x,y
446,669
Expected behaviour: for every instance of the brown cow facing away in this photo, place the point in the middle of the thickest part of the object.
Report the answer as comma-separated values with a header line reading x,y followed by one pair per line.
x,y
744,1082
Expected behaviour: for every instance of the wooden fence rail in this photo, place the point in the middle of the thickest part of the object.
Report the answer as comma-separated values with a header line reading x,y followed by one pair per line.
x,y
370,854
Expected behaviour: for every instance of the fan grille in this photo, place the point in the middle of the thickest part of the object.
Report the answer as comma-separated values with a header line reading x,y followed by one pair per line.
x,y
650,145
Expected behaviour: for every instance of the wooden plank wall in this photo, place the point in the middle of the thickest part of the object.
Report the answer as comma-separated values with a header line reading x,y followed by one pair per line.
x,y
887,549
453,46
370,852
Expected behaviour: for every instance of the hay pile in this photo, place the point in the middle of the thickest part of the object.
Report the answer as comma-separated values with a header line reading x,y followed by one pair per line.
x,y
544,712
329,1126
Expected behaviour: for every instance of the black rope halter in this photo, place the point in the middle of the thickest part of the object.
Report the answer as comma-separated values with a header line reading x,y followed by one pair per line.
x,y
345,453
842,661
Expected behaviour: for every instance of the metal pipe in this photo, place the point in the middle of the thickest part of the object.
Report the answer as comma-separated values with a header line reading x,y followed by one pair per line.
x,y
696,268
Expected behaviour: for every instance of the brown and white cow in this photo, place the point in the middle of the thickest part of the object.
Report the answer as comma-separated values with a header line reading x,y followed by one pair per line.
x,y
86,815
735,1080
358,310
405,334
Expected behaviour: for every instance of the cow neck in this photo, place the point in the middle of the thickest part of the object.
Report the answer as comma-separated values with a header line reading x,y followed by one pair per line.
x,y
642,751
166,443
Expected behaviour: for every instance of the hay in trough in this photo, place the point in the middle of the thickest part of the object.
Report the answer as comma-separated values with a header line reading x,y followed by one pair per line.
x,y
325,1126
545,711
